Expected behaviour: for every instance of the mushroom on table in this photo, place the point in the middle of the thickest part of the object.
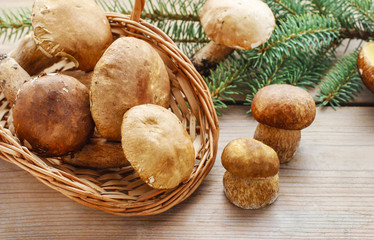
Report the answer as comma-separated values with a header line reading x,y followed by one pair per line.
x,y
282,111
251,179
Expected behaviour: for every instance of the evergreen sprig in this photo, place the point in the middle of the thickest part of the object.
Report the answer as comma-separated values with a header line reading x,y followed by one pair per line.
x,y
298,34
283,8
14,24
355,16
225,81
342,83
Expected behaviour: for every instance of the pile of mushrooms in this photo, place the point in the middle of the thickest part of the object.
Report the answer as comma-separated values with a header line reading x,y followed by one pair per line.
x,y
112,111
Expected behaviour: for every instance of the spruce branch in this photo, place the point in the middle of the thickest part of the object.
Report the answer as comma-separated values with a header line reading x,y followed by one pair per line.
x,y
355,16
14,24
225,80
295,34
306,70
282,8
342,83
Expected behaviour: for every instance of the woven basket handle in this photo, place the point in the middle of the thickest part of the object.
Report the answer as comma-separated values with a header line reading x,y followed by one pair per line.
x,y
137,10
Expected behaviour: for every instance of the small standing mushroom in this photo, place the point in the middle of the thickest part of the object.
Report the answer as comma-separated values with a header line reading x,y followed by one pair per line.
x,y
75,29
157,146
365,65
251,179
282,111
236,24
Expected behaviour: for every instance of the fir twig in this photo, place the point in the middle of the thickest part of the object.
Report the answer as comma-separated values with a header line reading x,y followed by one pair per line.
x,y
298,33
223,82
342,83
14,24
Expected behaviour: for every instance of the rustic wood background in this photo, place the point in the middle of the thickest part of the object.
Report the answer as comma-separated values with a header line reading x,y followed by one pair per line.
x,y
326,191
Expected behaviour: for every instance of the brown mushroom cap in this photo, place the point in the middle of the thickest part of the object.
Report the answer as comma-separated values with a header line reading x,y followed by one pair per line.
x,y
52,113
249,158
365,65
98,153
157,146
76,29
241,24
129,73
284,106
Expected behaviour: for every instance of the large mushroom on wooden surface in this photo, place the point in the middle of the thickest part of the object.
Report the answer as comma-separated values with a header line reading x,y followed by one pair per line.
x,y
12,77
129,73
365,65
75,29
282,111
251,177
30,57
52,116
236,24
157,146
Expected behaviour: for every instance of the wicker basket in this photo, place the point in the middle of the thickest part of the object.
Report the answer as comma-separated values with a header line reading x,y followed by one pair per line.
x,y
120,191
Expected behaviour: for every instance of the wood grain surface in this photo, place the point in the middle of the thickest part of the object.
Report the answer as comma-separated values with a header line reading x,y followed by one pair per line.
x,y
326,191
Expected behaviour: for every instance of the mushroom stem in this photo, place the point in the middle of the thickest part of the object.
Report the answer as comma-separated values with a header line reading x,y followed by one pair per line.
x,y
284,142
250,193
30,57
12,77
209,56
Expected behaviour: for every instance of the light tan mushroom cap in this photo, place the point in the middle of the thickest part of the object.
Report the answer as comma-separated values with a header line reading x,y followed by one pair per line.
x,y
240,24
129,73
249,158
365,65
76,29
284,106
157,146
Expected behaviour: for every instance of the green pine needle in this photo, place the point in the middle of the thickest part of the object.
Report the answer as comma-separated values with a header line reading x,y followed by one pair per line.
x,y
295,34
342,83
14,24
225,80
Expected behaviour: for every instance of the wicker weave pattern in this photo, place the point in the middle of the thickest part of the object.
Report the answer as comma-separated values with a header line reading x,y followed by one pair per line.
x,y
120,191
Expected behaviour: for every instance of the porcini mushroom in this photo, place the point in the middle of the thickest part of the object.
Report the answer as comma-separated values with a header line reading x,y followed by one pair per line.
x,y
29,56
157,146
98,153
12,77
129,73
52,116
282,111
75,29
237,24
251,177
365,65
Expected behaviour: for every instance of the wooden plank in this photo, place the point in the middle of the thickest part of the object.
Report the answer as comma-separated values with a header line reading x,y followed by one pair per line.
x,y
327,191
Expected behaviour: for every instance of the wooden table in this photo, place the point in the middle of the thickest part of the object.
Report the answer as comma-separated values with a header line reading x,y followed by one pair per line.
x,y
326,191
